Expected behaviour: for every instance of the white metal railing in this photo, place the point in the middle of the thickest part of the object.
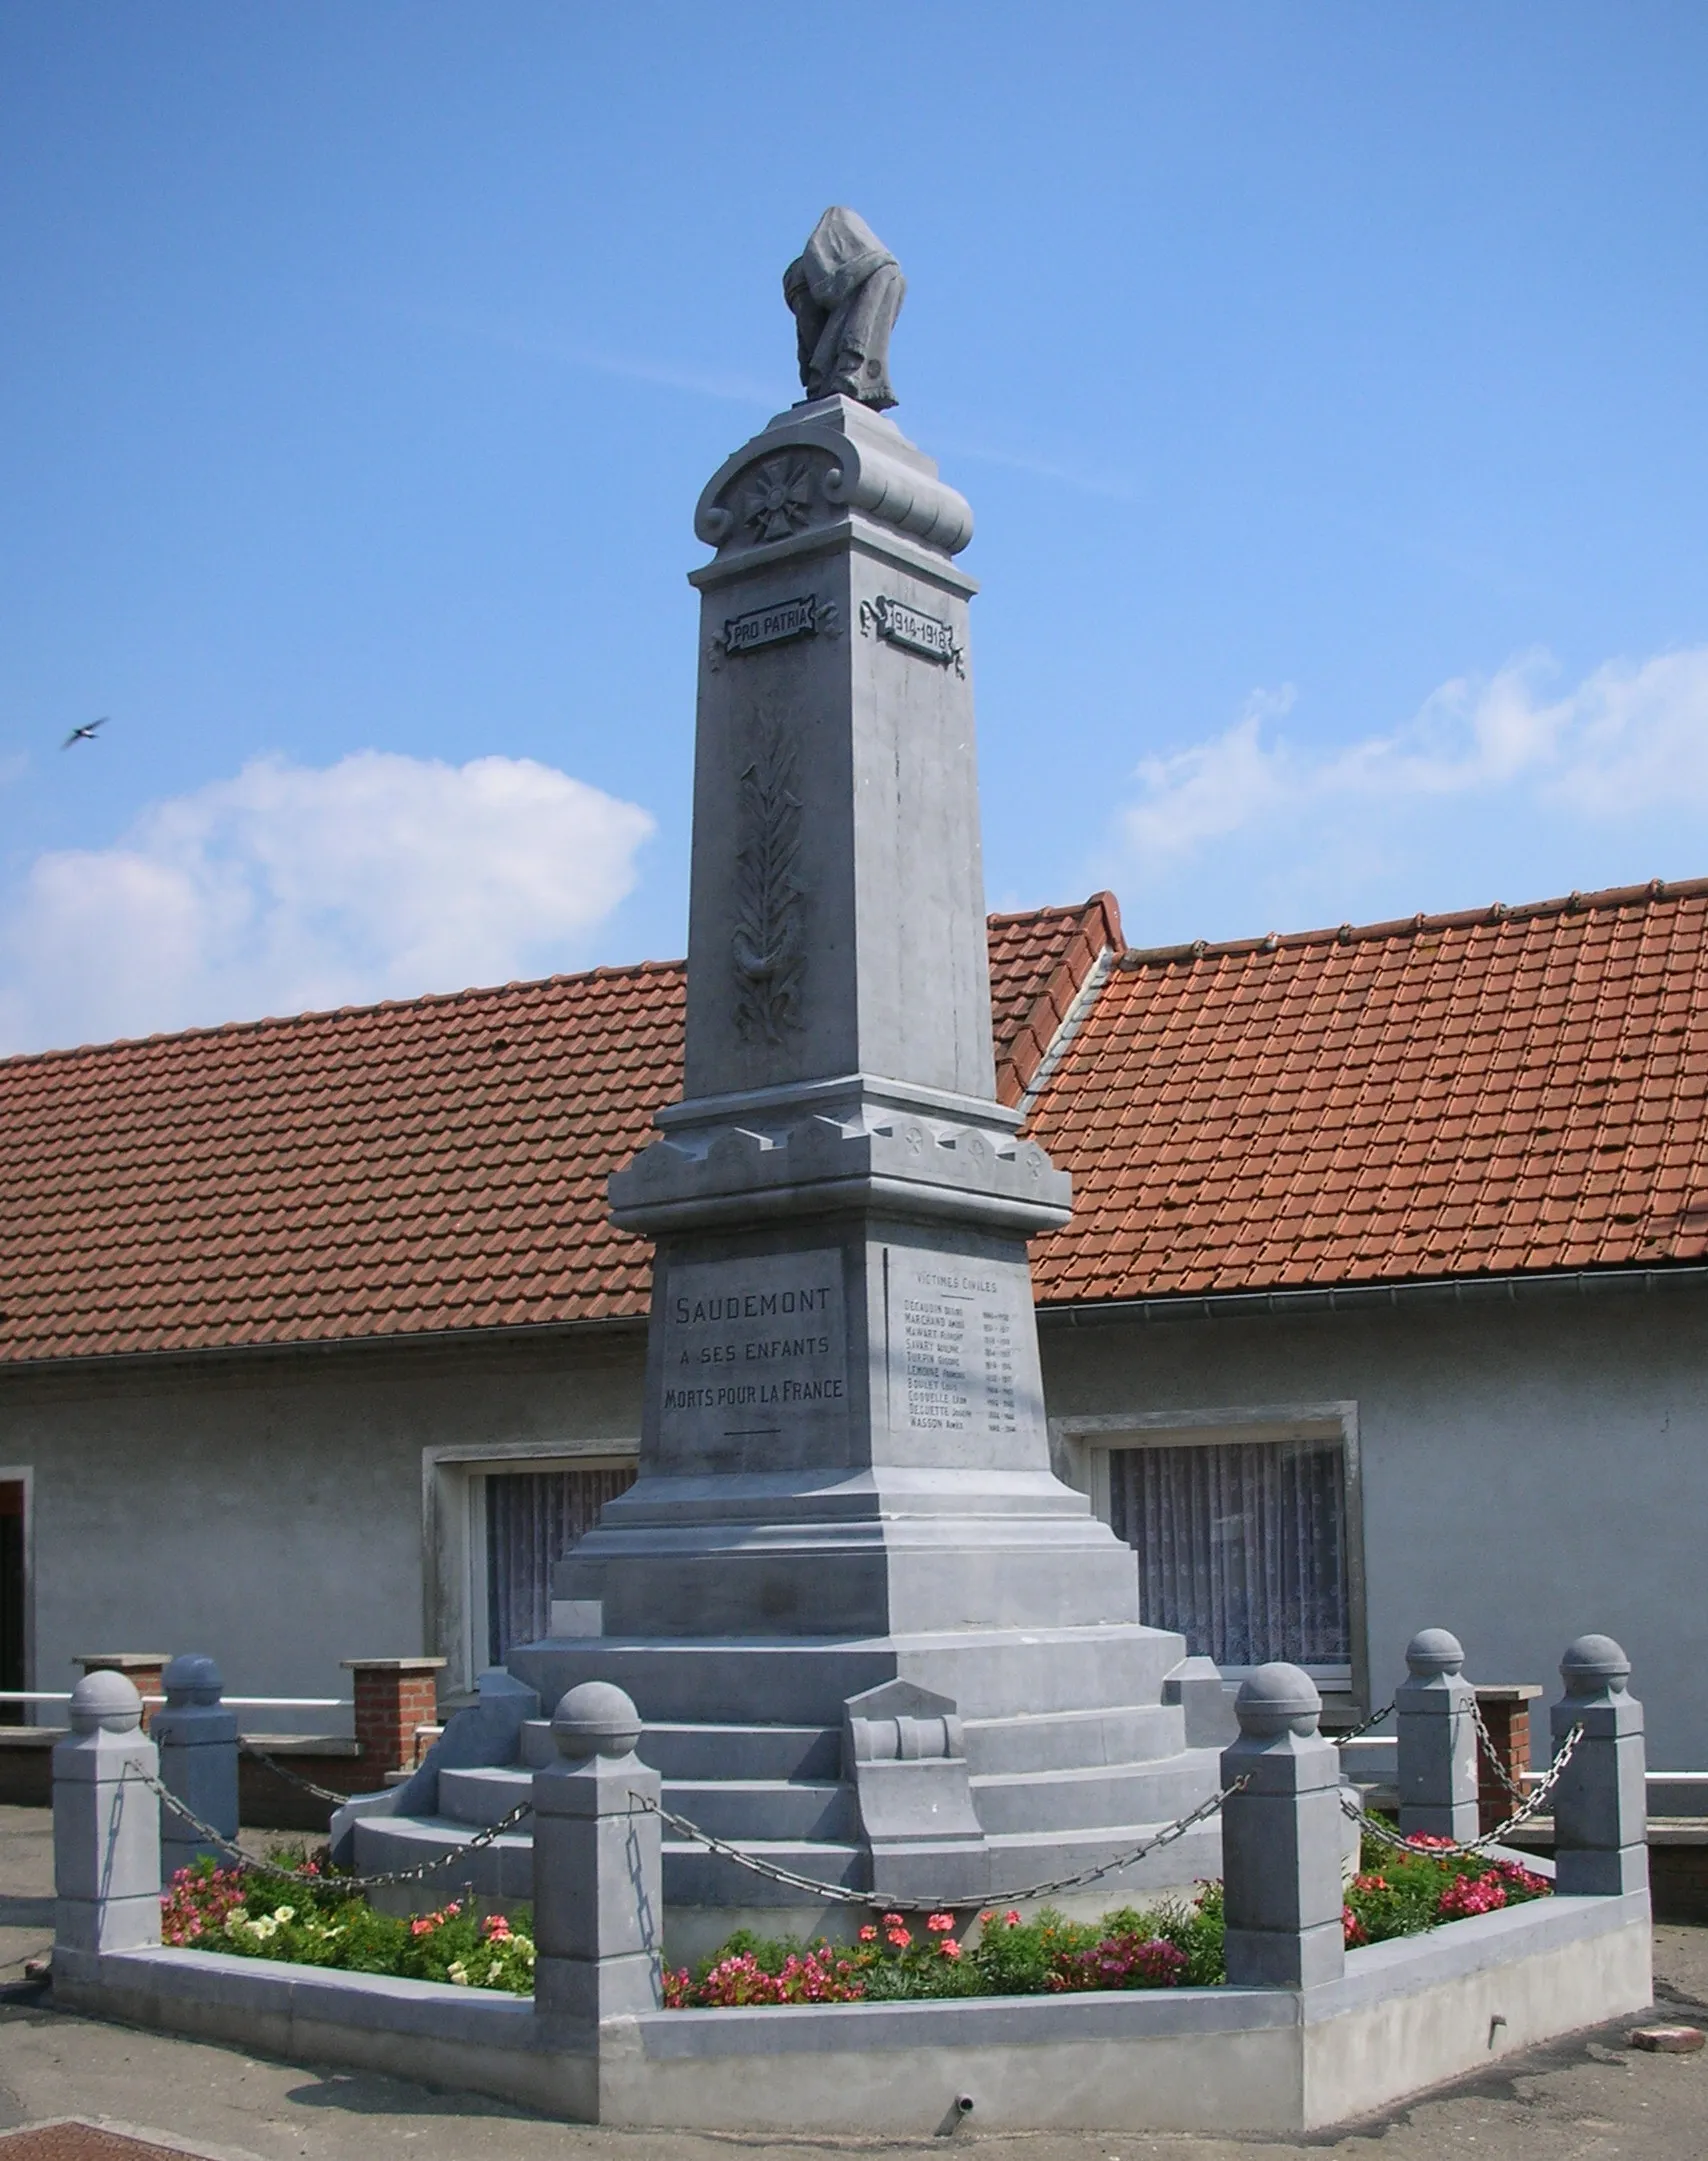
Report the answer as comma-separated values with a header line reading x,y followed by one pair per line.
x,y
254,1703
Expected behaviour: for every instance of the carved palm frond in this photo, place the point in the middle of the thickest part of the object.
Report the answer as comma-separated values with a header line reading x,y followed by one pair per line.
x,y
766,942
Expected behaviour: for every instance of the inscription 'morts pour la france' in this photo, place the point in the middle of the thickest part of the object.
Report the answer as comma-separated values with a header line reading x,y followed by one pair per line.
x,y
752,1345
910,627
772,626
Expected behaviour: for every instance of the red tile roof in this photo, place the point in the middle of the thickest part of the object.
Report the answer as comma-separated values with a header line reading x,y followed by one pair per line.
x,y
1490,1093
393,1170
1498,1092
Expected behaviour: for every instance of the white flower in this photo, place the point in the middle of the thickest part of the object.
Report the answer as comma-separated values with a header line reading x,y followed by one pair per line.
x,y
284,1913
458,1974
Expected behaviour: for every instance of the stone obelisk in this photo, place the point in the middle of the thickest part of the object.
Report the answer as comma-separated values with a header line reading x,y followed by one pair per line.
x,y
845,1527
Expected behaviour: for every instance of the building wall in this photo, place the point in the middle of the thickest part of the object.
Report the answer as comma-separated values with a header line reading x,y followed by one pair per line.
x,y
1529,1470
283,1510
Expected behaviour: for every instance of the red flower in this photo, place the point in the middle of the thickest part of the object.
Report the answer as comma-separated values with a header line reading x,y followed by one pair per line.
x,y
869,1934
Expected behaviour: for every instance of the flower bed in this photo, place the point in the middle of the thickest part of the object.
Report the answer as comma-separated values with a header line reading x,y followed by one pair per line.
x,y
306,1918
259,1914
1172,1945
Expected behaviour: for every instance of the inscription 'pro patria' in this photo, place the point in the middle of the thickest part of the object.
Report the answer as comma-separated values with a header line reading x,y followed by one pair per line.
x,y
752,1346
773,625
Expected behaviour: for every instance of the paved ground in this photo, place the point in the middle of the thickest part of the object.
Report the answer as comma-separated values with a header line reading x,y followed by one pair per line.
x,y
1587,2099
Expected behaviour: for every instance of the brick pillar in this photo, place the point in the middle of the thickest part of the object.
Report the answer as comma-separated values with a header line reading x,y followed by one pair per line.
x,y
1506,1713
393,1697
142,1669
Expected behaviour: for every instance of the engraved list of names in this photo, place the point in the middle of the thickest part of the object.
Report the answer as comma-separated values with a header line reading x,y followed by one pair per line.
x,y
955,1343
754,1347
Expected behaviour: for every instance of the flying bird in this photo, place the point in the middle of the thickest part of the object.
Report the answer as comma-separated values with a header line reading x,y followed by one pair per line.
x,y
84,735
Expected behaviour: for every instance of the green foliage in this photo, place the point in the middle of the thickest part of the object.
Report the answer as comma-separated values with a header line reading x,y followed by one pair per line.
x,y
264,1913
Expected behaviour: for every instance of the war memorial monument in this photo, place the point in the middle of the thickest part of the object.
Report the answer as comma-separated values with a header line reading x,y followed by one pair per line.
x,y
862,1619
847,1641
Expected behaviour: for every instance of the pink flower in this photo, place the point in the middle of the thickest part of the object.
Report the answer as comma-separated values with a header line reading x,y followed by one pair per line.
x,y
894,1920
1012,1917
949,1947
940,1924
869,1934
900,1937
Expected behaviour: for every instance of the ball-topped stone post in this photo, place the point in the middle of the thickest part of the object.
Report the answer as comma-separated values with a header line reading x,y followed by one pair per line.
x,y
1281,1837
598,1883
106,1826
1600,1810
1434,1719
197,1739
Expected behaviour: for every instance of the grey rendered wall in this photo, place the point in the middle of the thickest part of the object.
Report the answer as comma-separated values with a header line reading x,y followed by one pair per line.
x,y
1529,1470
269,1508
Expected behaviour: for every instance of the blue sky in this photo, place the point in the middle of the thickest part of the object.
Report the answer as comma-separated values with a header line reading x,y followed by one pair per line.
x,y
1327,381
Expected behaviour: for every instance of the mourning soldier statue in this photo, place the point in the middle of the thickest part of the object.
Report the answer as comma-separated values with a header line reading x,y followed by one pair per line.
x,y
845,290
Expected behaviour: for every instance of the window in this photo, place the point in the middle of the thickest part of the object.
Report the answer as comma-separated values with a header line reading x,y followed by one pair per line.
x,y
1241,1545
533,1518
1245,1527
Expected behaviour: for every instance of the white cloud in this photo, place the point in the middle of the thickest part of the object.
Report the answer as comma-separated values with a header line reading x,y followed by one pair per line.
x,y
1504,781
288,887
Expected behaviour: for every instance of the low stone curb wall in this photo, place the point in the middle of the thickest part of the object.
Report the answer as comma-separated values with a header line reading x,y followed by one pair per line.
x,y
1404,2015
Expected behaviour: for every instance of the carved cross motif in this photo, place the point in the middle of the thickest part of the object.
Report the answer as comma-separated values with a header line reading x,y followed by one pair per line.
x,y
766,944
779,498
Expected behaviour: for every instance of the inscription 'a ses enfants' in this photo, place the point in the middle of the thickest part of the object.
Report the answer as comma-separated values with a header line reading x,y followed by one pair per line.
x,y
745,1346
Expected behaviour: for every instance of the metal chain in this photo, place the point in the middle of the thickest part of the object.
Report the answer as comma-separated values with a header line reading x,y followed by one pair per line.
x,y
1358,1732
1485,1741
1539,1793
845,1897
292,1778
417,1874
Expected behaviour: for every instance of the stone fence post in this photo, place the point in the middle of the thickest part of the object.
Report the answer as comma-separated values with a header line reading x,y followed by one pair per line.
x,y
1437,1740
106,1823
141,1668
1600,1808
1281,1837
197,1740
598,1883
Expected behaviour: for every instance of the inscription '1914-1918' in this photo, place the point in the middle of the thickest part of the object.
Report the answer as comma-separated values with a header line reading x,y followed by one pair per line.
x,y
909,627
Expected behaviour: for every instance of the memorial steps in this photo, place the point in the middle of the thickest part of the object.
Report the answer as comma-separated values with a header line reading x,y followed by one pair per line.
x,y
796,1811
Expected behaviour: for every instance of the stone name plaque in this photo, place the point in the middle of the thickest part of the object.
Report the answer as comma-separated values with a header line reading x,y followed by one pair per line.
x,y
960,1345
772,626
913,630
754,1349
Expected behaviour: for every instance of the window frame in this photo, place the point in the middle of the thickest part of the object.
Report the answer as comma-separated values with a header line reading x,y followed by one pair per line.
x,y
453,1503
1083,1445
